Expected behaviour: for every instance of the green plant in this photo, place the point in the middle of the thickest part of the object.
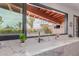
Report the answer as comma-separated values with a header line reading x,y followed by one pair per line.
x,y
46,29
1,21
31,21
22,37
19,25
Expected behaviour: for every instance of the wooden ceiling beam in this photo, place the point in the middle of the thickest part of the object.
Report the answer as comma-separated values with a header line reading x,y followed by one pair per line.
x,y
35,10
42,13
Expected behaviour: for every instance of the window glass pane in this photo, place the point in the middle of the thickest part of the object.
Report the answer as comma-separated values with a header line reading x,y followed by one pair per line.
x,y
44,21
10,19
34,25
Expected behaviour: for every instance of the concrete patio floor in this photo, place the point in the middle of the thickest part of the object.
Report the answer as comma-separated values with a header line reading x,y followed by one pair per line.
x,y
32,47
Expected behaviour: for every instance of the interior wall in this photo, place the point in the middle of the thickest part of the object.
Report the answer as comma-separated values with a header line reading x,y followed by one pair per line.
x,y
67,10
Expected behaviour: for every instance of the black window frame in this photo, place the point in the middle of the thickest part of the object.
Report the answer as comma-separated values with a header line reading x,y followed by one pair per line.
x,y
66,20
16,36
24,20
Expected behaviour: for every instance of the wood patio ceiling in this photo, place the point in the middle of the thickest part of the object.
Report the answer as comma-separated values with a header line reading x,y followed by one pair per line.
x,y
38,12
45,14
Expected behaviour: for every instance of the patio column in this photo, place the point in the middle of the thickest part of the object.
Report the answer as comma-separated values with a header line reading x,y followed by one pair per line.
x,y
24,17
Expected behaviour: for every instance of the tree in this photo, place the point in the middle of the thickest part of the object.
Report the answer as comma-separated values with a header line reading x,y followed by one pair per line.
x,y
1,21
19,25
31,21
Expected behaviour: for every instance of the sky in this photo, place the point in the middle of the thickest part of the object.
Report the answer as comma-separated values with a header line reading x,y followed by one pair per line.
x,y
12,18
38,22
9,17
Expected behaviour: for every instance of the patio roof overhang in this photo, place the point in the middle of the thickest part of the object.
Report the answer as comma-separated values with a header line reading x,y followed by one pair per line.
x,y
45,14
37,12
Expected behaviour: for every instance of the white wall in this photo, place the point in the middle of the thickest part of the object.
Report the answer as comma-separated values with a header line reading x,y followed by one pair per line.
x,y
66,9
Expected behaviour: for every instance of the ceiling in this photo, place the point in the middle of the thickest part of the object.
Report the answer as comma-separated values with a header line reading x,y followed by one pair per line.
x,y
45,14
37,12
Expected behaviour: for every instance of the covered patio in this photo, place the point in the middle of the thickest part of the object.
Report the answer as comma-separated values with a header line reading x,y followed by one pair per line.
x,y
38,12
49,45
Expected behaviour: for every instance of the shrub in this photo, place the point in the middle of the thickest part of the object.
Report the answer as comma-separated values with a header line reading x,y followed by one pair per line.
x,y
22,37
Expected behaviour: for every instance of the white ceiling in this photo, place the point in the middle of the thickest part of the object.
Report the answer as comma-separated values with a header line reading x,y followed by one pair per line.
x,y
71,5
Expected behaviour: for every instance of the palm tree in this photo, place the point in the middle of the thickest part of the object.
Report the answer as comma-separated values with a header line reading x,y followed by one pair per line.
x,y
19,25
1,21
31,21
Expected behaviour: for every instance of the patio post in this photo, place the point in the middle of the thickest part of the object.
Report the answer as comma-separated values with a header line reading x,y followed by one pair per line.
x,y
24,18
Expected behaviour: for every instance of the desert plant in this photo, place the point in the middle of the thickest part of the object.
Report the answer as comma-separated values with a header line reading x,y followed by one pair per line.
x,y
1,21
22,37
31,21
46,29
19,25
